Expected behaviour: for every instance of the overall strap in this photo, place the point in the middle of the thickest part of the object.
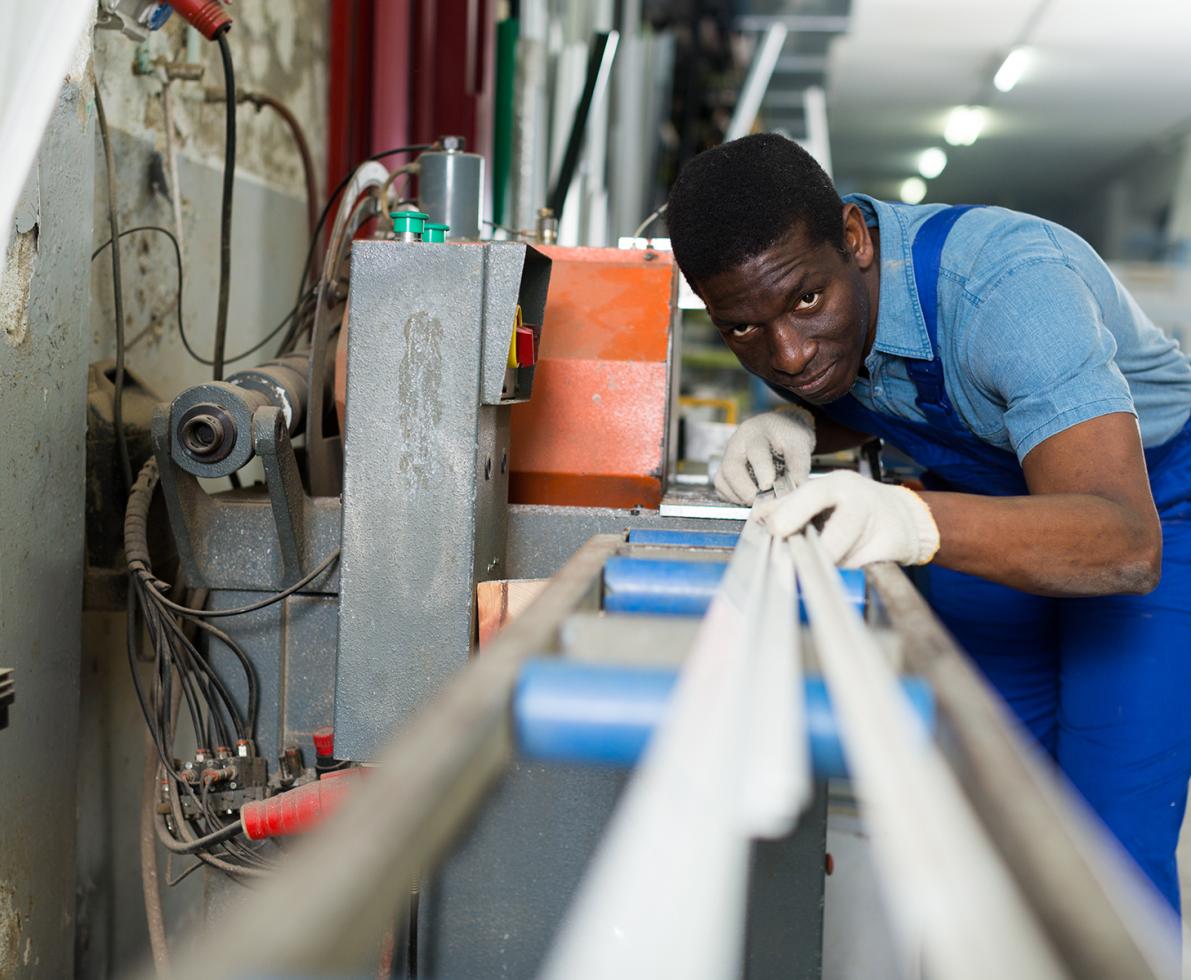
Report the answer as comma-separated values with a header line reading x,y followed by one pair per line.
x,y
927,252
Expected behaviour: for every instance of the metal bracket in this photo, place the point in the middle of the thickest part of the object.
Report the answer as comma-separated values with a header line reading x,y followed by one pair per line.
x,y
191,508
291,506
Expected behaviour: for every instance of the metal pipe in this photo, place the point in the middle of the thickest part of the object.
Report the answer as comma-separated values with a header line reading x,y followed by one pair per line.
x,y
599,68
664,894
756,83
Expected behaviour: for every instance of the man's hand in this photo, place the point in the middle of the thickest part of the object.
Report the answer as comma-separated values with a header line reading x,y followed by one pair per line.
x,y
788,435
869,521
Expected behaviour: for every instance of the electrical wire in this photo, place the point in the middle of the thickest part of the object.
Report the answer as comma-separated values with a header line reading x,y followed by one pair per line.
x,y
305,301
260,100
654,215
322,218
505,228
210,840
182,674
241,610
225,217
117,294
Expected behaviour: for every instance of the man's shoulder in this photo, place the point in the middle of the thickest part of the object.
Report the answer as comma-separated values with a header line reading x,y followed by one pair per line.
x,y
986,243
993,244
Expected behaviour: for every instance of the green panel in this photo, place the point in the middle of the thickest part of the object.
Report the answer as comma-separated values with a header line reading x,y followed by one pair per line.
x,y
507,32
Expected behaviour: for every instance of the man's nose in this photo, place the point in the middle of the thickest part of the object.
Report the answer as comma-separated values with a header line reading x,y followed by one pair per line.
x,y
789,350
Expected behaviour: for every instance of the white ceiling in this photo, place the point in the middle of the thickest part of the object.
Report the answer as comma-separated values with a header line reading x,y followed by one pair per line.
x,y
1106,79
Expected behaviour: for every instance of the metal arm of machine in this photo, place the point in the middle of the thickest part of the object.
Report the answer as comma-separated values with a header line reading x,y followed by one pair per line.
x,y
191,509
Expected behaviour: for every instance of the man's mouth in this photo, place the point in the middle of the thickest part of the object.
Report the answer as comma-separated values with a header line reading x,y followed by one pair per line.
x,y
813,385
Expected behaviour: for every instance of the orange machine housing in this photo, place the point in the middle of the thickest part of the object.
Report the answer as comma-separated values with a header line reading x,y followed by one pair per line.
x,y
595,432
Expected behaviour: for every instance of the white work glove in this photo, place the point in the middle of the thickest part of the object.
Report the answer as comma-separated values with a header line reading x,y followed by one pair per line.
x,y
788,435
869,521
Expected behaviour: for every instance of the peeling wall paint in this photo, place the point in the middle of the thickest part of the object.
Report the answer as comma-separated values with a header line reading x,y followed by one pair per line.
x,y
278,48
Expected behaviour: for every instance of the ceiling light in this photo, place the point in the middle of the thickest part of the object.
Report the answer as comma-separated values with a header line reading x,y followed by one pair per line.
x,y
964,124
912,190
1011,70
931,162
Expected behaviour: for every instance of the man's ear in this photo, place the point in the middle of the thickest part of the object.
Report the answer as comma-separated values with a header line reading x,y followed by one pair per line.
x,y
858,242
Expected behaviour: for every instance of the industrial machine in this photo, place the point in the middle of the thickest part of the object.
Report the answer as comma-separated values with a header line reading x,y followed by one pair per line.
x,y
448,412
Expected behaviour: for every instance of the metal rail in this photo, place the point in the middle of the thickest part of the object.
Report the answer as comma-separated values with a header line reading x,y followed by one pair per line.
x,y
1102,918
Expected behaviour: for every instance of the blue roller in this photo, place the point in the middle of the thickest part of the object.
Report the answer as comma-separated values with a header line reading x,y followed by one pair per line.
x,y
577,712
671,587
683,539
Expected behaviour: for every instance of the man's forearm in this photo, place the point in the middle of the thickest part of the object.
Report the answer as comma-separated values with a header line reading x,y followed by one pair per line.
x,y
831,437
1062,544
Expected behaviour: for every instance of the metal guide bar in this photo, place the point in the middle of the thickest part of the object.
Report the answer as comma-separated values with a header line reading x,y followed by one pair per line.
x,y
664,894
946,890
1102,916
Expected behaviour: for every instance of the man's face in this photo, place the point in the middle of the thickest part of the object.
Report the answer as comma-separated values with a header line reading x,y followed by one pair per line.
x,y
801,315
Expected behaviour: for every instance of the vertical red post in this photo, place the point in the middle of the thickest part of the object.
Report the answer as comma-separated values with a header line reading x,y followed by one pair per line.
x,y
392,62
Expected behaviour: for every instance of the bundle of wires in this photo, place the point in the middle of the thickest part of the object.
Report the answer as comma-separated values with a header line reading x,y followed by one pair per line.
x,y
184,674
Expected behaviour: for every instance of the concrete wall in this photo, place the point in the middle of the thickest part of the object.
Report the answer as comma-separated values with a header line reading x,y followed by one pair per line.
x,y
43,367
70,788
279,48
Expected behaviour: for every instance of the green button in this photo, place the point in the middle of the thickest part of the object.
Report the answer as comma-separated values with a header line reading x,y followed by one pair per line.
x,y
404,221
435,233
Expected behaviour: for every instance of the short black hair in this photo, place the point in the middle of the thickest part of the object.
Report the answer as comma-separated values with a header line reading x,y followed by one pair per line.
x,y
734,201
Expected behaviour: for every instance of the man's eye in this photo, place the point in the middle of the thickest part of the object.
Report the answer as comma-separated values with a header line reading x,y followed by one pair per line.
x,y
807,301
743,331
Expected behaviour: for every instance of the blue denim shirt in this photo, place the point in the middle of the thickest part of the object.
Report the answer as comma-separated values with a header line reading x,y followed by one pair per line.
x,y
1035,333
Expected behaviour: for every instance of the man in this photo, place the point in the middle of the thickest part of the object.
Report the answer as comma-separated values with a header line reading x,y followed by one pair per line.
x,y
999,352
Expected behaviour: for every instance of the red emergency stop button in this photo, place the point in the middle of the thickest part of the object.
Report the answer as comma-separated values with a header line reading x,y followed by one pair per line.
x,y
527,347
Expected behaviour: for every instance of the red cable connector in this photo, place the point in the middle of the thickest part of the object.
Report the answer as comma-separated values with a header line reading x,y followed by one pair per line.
x,y
298,809
207,16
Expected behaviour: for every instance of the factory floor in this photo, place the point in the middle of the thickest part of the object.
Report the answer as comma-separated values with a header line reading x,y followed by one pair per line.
x,y
856,937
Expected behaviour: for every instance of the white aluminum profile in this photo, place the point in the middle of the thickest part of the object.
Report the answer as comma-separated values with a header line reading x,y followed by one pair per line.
x,y
665,894
946,890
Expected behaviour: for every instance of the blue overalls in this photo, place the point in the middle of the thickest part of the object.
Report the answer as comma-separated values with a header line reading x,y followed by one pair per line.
x,y
1103,684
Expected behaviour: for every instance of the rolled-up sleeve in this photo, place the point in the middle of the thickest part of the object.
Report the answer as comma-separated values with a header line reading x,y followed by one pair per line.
x,y
1037,344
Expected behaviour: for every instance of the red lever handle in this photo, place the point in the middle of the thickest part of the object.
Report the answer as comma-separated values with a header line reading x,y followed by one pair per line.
x,y
298,809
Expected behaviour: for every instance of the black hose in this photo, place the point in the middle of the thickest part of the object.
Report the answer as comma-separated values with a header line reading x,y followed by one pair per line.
x,y
117,294
225,219
201,843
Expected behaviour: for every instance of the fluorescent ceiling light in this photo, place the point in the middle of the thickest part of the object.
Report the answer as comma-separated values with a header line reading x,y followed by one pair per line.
x,y
1011,70
931,162
964,125
912,190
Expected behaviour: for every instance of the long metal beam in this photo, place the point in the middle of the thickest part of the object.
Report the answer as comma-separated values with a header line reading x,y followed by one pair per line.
x,y
1102,918
756,83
